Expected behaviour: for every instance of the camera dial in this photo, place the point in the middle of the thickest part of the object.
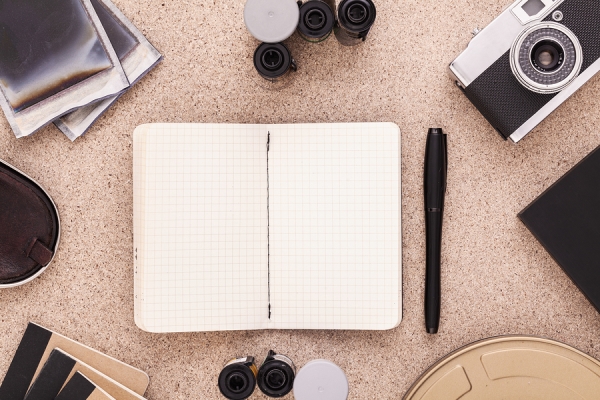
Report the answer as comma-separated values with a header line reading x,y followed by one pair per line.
x,y
546,57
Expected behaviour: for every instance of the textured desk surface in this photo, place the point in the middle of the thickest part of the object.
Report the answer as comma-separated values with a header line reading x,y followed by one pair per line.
x,y
496,278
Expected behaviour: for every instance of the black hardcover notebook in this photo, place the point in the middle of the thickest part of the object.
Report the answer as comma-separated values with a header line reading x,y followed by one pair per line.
x,y
566,221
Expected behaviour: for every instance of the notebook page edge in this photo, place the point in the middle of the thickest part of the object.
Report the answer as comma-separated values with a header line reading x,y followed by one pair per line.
x,y
139,176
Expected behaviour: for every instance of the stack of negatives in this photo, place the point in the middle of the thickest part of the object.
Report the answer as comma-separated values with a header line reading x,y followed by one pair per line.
x,y
49,366
67,62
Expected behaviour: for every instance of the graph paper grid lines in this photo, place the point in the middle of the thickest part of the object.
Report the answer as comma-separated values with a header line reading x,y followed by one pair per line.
x,y
204,233
201,235
334,222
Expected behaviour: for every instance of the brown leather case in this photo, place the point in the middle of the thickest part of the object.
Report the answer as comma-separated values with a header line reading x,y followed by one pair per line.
x,y
29,227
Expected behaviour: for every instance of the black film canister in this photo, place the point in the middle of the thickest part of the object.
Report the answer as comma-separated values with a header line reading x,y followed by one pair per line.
x,y
276,375
316,21
355,19
238,378
273,61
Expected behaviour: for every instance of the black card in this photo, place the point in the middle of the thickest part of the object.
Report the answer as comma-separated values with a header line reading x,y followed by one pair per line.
x,y
52,378
566,221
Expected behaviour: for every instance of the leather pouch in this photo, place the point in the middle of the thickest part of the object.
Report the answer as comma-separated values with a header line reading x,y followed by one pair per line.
x,y
29,228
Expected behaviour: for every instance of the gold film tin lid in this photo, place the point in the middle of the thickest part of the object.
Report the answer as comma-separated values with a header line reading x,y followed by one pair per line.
x,y
511,367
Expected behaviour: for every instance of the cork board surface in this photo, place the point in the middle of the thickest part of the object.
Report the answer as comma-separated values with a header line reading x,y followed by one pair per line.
x,y
497,279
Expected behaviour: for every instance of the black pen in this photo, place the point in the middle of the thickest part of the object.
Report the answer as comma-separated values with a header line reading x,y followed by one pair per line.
x,y
436,169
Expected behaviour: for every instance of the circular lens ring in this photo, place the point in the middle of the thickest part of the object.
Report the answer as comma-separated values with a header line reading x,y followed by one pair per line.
x,y
546,82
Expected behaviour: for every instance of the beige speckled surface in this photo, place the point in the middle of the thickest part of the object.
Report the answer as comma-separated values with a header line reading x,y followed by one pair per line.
x,y
496,278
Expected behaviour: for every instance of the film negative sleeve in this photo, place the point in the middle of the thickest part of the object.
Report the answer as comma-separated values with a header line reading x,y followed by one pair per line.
x,y
35,348
80,387
55,56
136,54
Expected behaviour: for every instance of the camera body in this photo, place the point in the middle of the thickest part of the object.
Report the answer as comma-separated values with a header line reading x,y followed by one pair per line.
x,y
528,61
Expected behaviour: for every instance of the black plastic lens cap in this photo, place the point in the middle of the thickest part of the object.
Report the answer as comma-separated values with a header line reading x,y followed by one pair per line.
x,y
316,19
356,15
272,60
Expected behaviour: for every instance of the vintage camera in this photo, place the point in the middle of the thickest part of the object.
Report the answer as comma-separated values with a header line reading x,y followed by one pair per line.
x,y
529,60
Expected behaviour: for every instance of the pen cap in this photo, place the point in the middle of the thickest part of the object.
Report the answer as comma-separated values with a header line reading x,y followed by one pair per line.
x,y
436,167
271,21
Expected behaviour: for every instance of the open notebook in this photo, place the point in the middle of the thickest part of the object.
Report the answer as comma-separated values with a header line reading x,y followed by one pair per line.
x,y
267,226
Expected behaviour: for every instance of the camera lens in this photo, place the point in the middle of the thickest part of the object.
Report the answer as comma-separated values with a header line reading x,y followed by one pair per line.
x,y
547,56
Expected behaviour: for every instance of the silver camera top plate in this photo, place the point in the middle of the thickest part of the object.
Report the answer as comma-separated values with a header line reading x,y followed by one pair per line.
x,y
528,11
498,37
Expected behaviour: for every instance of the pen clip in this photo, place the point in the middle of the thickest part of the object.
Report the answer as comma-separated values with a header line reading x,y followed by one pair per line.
x,y
445,161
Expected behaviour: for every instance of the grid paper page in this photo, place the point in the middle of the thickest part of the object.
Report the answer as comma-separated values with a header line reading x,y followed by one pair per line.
x,y
334,214
200,227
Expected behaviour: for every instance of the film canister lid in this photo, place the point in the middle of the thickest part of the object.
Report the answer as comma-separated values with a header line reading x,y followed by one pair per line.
x,y
238,379
356,15
321,380
316,19
271,21
272,60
